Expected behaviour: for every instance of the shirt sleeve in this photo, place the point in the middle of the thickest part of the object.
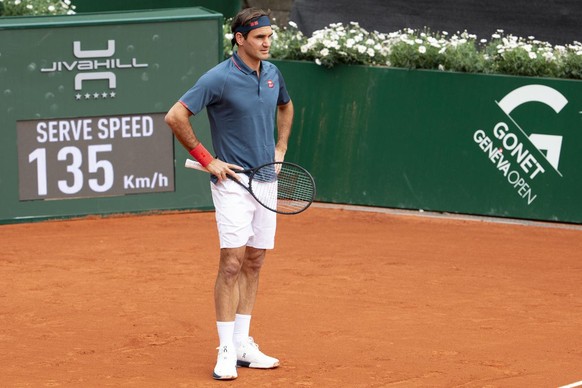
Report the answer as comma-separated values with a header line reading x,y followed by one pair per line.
x,y
284,97
205,92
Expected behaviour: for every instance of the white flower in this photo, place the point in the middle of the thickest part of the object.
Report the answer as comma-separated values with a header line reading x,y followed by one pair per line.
x,y
328,43
532,55
370,52
361,49
292,24
324,52
422,49
317,62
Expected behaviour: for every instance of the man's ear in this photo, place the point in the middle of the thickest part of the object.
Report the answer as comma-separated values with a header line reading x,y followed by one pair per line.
x,y
239,38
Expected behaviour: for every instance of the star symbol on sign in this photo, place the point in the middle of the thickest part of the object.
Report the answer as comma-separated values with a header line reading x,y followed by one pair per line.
x,y
94,95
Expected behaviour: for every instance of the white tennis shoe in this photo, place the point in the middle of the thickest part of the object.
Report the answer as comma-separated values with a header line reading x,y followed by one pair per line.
x,y
249,355
225,368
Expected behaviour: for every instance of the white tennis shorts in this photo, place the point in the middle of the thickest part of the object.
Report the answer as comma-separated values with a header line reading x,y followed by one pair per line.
x,y
241,220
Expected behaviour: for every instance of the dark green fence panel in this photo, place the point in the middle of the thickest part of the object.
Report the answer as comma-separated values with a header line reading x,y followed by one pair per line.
x,y
82,101
447,142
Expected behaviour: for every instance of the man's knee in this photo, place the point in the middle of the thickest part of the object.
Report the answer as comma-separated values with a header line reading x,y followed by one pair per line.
x,y
254,259
231,261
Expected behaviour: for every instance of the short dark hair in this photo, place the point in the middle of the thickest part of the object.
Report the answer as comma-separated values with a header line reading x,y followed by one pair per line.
x,y
244,18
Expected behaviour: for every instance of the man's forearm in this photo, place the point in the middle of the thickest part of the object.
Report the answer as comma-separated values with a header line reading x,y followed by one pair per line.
x,y
178,121
284,123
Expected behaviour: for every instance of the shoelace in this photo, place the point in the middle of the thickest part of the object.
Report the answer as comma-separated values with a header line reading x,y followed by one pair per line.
x,y
252,342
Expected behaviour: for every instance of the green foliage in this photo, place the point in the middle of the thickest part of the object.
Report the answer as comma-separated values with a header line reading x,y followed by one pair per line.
x,y
571,62
526,57
36,7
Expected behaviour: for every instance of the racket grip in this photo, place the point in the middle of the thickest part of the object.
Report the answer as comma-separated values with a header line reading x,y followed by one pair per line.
x,y
195,165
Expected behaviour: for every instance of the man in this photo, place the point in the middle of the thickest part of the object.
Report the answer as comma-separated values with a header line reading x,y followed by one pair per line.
x,y
244,96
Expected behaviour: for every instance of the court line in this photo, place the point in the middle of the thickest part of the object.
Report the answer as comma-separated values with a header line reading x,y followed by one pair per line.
x,y
452,216
576,384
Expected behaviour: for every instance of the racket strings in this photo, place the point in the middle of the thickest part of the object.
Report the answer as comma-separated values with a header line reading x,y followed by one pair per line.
x,y
291,192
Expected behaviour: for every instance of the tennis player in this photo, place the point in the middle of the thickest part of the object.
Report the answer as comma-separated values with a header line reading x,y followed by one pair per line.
x,y
244,97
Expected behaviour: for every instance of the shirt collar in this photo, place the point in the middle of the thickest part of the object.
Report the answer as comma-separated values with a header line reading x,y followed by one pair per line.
x,y
239,63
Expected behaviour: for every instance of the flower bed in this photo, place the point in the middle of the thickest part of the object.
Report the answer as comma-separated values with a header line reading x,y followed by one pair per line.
x,y
425,49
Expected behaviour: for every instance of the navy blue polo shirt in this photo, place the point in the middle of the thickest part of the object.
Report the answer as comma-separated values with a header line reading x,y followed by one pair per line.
x,y
241,109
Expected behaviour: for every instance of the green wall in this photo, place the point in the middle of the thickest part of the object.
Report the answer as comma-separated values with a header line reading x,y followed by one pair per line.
x,y
425,140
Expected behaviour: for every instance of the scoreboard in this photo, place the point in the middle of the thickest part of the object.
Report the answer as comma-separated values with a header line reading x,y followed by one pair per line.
x,y
82,105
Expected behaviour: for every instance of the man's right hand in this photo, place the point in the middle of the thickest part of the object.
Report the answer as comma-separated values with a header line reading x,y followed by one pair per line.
x,y
223,170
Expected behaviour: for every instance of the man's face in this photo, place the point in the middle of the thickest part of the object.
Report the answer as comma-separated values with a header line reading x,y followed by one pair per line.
x,y
257,43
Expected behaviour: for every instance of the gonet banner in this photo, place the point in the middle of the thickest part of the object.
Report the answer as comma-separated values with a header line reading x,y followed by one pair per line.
x,y
440,141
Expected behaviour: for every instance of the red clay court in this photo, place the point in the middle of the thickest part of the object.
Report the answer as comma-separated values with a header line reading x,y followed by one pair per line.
x,y
348,298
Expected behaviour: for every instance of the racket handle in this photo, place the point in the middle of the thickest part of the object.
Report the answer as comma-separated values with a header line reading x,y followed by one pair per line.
x,y
195,165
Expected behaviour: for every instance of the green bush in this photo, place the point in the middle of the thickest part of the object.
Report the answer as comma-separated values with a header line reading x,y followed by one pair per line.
x,y
36,7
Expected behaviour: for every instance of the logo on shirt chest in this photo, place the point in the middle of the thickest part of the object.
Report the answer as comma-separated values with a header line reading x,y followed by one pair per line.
x,y
270,84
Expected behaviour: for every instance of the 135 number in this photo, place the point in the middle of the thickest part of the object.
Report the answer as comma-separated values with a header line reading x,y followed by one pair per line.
x,y
74,158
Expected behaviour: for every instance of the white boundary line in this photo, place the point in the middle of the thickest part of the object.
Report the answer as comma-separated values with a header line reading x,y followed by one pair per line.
x,y
422,213
576,384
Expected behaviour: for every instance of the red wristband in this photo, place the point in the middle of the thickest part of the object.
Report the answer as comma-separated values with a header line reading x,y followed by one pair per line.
x,y
201,155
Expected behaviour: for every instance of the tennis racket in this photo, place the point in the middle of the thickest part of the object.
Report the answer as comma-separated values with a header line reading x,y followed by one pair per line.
x,y
282,187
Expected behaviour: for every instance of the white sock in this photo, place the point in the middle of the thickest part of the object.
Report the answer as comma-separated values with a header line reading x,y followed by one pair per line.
x,y
225,332
242,325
